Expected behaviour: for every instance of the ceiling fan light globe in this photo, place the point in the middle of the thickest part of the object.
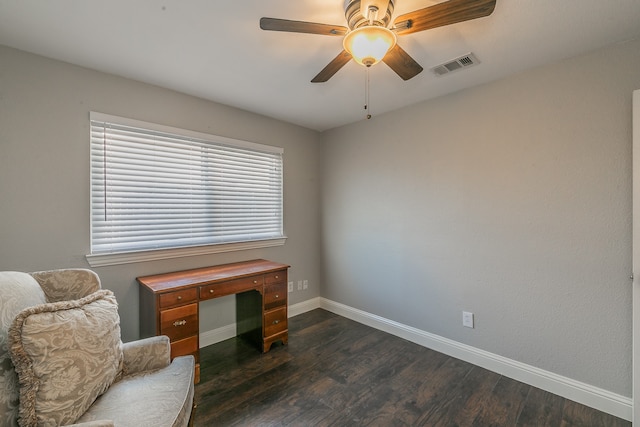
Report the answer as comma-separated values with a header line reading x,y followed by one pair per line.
x,y
368,45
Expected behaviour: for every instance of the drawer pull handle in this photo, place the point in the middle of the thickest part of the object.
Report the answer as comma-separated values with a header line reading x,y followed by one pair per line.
x,y
277,296
255,282
277,277
275,322
179,297
179,323
210,291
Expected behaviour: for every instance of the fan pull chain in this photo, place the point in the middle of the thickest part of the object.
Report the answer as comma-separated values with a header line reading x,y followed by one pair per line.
x,y
367,105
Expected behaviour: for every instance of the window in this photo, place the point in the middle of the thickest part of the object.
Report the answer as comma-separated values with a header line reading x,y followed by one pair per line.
x,y
155,187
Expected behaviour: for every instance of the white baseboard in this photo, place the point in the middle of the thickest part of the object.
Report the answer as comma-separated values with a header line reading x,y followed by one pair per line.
x,y
217,335
304,306
594,397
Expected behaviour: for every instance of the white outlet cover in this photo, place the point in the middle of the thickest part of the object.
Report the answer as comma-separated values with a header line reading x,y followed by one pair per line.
x,y
467,319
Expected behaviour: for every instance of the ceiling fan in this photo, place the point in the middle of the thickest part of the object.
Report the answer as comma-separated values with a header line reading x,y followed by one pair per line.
x,y
369,26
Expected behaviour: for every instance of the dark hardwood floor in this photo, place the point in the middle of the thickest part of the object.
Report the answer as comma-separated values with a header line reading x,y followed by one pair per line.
x,y
336,372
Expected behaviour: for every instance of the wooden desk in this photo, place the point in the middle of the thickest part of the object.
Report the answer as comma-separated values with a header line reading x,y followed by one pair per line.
x,y
169,303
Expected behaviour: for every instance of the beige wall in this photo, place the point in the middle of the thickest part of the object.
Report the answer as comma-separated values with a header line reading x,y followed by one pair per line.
x,y
44,175
512,201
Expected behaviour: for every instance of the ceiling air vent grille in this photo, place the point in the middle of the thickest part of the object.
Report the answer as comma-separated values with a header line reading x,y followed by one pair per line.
x,y
465,61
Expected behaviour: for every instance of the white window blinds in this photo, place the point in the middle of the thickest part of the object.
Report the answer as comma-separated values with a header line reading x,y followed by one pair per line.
x,y
155,187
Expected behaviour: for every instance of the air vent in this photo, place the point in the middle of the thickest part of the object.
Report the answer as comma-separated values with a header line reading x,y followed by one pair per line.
x,y
465,61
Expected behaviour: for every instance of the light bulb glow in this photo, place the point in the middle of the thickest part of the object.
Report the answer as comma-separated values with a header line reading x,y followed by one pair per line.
x,y
368,45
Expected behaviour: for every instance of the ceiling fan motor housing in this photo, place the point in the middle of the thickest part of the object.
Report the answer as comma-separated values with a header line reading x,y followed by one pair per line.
x,y
356,19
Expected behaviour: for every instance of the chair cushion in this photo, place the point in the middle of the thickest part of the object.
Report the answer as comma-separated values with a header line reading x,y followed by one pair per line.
x,y
159,398
66,354
17,291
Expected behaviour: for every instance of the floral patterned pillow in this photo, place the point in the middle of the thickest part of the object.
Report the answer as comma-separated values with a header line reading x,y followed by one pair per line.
x,y
66,354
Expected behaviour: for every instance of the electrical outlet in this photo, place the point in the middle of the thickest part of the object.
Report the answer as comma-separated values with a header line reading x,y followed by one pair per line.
x,y
305,284
299,285
290,286
467,319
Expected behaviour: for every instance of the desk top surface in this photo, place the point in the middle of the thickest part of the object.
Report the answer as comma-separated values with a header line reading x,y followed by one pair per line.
x,y
200,276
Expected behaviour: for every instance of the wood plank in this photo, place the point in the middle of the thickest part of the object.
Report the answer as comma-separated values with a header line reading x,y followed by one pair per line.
x,y
575,414
541,409
504,404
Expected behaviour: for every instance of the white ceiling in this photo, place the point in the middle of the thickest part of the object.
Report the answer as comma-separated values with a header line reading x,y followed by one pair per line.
x,y
215,49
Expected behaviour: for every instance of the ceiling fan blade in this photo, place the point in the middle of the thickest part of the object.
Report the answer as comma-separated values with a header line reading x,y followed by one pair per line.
x,y
441,14
275,24
332,67
402,63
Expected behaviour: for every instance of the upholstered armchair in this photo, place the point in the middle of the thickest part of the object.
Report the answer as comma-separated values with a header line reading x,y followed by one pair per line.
x,y
62,361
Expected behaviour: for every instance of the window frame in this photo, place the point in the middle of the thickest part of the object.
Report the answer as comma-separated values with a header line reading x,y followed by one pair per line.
x,y
132,256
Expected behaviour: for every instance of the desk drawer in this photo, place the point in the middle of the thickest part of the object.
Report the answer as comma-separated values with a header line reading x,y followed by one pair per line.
x,y
180,322
275,277
275,295
185,347
171,299
275,321
231,287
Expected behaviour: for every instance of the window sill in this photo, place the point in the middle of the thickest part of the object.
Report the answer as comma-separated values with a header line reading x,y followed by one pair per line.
x,y
102,260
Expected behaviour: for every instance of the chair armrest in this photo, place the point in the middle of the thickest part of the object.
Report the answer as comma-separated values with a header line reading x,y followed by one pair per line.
x,y
68,284
146,354
96,423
